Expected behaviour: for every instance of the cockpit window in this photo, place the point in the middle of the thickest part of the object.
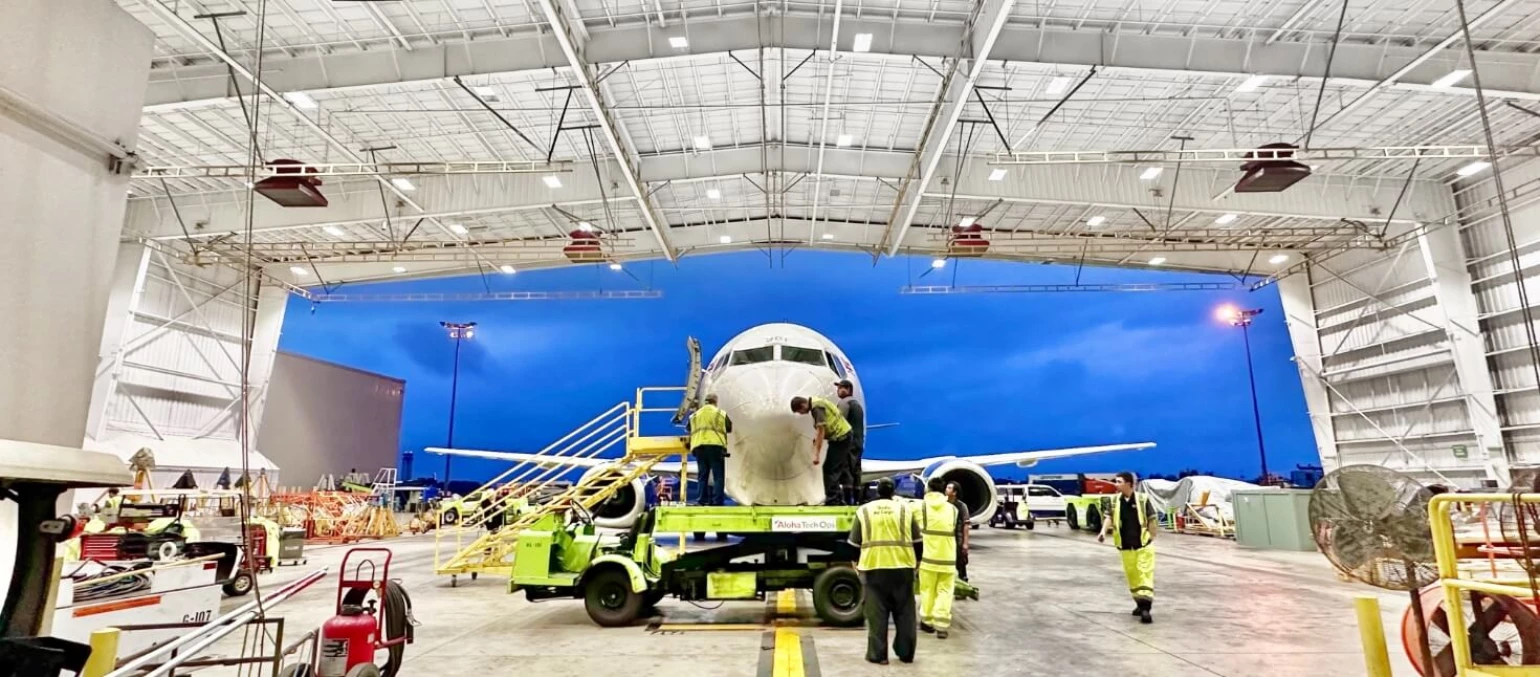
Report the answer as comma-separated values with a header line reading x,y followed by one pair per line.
x,y
752,356
803,355
838,368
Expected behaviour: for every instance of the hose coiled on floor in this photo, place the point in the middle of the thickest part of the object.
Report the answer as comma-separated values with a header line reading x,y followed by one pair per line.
x,y
398,622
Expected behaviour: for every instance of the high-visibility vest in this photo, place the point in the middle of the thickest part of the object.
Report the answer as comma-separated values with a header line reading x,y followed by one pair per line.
x,y
938,533
1115,515
708,427
835,427
887,540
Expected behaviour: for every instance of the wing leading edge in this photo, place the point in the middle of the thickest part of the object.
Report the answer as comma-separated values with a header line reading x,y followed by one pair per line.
x,y
548,462
874,468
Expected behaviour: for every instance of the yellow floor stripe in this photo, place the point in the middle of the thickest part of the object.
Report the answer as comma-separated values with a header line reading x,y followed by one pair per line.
x,y
788,642
786,602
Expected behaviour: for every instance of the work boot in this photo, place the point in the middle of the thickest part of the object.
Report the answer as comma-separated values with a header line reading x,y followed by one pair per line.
x,y
927,628
941,634
1138,609
1144,610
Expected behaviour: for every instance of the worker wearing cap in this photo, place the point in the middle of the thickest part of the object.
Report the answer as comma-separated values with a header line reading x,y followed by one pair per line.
x,y
886,530
1131,521
709,426
938,559
829,426
855,414
963,527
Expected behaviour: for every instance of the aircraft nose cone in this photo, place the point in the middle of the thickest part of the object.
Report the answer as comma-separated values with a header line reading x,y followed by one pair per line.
x,y
771,443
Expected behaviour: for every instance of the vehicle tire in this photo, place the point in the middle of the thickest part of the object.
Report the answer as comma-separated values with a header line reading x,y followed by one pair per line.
x,y
364,670
240,585
838,596
449,517
651,598
1031,523
1093,519
300,670
1071,518
609,599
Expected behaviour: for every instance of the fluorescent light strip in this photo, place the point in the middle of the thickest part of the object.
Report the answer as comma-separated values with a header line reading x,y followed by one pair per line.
x,y
1150,173
1252,83
997,174
1451,79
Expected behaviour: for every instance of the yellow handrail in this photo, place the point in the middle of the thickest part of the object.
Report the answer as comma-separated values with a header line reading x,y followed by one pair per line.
x,y
1445,550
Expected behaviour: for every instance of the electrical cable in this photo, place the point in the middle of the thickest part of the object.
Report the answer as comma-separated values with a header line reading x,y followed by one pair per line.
x,y
1331,55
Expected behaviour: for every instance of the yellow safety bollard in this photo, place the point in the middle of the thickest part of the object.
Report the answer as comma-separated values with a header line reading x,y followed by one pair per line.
x,y
1372,630
104,653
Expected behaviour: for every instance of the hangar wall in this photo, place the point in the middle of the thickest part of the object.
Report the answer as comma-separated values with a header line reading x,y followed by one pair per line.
x,y
1415,357
324,418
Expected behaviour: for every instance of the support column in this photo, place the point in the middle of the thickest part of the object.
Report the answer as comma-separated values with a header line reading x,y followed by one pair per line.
x,y
272,304
1299,315
122,300
1444,256
72,85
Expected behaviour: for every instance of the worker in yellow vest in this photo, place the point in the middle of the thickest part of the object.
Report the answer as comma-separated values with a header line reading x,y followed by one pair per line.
x,y
886,530
709,426
1132,522
938,559
831,427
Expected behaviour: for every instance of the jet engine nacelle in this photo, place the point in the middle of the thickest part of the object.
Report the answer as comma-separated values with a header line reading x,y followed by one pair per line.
x,y
623,508
974,486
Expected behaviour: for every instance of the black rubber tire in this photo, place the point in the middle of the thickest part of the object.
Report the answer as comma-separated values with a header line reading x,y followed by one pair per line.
x,y
364,670
300,670
1031,523
1093,519
1071,518
651,598
449,517
240,585
839,596
609,600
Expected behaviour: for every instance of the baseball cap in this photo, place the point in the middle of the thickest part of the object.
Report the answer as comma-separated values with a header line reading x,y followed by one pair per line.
x,y
844,383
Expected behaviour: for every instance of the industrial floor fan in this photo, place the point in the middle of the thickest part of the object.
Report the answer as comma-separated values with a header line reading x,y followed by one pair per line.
x,y
1372,524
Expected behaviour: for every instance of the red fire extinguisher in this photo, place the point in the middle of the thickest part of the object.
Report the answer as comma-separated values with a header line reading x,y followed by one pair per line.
x,y
347,641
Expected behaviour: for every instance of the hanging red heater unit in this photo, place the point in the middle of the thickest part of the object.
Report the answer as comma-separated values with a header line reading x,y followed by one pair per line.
x,y
293,185
584,247
967,241
1274,173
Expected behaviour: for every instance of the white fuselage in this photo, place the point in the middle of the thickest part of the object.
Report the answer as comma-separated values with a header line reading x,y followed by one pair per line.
x,y
754,376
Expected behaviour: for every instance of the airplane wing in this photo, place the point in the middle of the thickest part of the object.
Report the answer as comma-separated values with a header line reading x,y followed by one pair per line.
x,y
548,462
875,468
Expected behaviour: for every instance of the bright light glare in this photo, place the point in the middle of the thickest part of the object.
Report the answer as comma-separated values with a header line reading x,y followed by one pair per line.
x,y
615,266
403,184
553,181
458,229
333,231
1474,168
678,42
303,100
1157,260
843,140
938,263
301,272
1150,173
1252,83
1096,220
484,92
1452,78
1058,85
586,227
1227,313
399,269
1278,258
507,269
828,236
965,221
863,42
997,174
702,143
725,239
714,193
1224,219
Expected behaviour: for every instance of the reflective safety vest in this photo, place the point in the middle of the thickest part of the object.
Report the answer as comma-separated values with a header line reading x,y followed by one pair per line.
x,y
887,540
1115,514
835,427
708,427
938,533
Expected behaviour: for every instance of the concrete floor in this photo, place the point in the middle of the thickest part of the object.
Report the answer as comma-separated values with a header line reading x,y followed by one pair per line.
x,y
1054,602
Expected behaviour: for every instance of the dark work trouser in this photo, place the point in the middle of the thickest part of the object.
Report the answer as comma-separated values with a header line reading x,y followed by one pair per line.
x,y
890,593
962,557
836,468
852,478
712,462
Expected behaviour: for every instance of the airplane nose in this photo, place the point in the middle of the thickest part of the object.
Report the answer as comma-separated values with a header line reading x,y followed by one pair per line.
x,y
770,439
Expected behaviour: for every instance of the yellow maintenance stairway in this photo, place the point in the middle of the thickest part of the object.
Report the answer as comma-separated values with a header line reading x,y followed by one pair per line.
x,y
533,489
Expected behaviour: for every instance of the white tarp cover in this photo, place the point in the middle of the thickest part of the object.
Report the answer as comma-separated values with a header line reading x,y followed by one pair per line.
x,y
1165,494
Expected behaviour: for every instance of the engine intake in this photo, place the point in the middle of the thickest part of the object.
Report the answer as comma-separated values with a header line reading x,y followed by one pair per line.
x,y
975,488
623,508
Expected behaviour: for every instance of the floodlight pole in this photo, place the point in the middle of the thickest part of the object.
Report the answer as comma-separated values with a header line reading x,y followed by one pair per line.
x,y
459,331
1242,318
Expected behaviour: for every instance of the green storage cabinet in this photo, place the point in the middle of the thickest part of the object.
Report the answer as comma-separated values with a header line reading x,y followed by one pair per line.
x,y
1273,519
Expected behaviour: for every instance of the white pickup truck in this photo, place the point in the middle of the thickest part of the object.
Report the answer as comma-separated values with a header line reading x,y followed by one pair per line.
x,y
1024,504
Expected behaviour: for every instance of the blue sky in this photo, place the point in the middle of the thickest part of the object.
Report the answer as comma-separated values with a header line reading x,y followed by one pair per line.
x,y
961,373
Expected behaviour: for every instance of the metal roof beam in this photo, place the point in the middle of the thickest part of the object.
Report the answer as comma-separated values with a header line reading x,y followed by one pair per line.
x,y
1505,74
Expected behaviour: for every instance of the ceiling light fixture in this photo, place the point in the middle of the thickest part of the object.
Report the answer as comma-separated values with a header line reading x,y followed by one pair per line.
x,y
507,269
1474,168
298,271
1224,219
1157,260
398,269
484,91
965,222
714,194
843,140
403,184
863,43
725,239
678,42
615,266
938,263
333,231
1150,173
303,100
553,181
1451,79
997,174
1252,83
1096,221
1057,85
458,229
702,143
586,227
1278,258
828,236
